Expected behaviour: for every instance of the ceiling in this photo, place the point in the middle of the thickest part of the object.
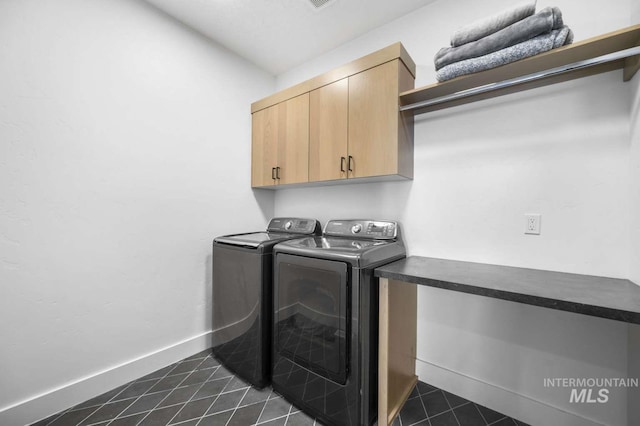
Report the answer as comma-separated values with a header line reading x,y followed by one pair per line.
x,y
278,35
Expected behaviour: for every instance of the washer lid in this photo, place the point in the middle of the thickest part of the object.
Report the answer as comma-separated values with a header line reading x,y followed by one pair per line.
x,y
279,229
253,239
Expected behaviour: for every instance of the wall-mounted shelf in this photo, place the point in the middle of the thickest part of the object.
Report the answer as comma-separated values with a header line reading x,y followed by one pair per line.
x,y
616,50
610,298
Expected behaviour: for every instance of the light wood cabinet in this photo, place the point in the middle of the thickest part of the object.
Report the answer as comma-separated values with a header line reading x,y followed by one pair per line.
x,y
380,137
396,347
328,114
264,148
356,130
280,143
344,124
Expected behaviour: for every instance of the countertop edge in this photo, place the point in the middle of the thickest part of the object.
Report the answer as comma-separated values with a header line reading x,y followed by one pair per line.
x,y
513,296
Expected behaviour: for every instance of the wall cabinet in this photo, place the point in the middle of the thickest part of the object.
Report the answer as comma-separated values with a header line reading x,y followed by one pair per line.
x,y
356,130
344,124
328,151
380,137
280,143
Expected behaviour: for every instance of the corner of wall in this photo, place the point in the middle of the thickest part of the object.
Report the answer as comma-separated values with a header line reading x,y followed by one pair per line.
x,y
76,391
633,368
634,172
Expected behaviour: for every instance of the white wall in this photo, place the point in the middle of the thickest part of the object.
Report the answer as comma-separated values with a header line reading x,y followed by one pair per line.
x,y
561,151
124,149
634,234
634,163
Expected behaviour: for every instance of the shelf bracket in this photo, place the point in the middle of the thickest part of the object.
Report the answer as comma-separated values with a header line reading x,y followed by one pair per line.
x,y
631,67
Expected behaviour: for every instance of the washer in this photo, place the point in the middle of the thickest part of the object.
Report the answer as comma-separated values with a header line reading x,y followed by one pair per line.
x,y
242,296
325,334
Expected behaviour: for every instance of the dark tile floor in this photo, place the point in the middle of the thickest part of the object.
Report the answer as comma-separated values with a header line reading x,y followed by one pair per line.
x,y
199,391
430,406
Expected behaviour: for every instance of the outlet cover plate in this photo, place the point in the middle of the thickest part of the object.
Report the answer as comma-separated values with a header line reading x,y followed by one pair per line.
x,y
532,224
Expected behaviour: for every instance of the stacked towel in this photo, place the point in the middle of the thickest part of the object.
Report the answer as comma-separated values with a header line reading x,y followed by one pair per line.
x,y
507,37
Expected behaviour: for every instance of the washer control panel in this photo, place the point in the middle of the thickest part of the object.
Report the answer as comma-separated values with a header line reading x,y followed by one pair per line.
x,y
373,229
294,225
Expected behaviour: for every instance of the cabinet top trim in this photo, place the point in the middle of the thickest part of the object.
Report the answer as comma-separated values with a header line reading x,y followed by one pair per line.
x,y
389,53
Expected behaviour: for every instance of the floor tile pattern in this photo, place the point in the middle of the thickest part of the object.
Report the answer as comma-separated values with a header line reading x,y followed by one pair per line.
x,y
198,391
430,406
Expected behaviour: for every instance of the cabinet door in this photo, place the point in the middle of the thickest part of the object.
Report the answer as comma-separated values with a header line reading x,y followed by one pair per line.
x,y
373,121
328,114
264,146
293,140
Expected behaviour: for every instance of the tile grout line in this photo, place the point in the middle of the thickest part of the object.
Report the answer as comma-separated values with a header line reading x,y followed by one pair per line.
x,y
209,372
149,411
144,394
424,407
97,407
127,407
288,414
482,417
194,394
455,417
216,399
499,420
140,396
170,390
186,421
270,420
450,408
126,386
174,388
264,406
92,413
235,409
62,413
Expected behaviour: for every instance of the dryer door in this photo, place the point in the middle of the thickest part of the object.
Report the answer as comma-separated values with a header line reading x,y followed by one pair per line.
x,y
311,308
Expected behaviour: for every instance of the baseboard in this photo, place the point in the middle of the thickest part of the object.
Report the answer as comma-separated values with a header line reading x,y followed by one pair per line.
x,y
523,408
74,392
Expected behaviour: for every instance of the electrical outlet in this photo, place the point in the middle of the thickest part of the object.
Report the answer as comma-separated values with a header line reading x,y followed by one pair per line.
x,y
532,224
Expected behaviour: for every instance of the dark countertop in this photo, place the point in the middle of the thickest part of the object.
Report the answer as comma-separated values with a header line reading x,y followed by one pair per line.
x,y
611,298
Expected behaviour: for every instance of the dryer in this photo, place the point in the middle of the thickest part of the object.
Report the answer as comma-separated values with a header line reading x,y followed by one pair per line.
x,y
325,323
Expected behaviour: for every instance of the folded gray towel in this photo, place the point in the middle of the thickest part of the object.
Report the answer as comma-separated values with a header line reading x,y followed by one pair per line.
x,y
539,44
489,25
542,22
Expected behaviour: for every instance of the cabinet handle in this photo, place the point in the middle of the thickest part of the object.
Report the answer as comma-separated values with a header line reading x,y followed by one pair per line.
x,y
273,173
350,162
278,172
342,160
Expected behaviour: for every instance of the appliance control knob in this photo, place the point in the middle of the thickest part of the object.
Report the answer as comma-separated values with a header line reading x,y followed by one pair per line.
x,y
288,225
356,228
